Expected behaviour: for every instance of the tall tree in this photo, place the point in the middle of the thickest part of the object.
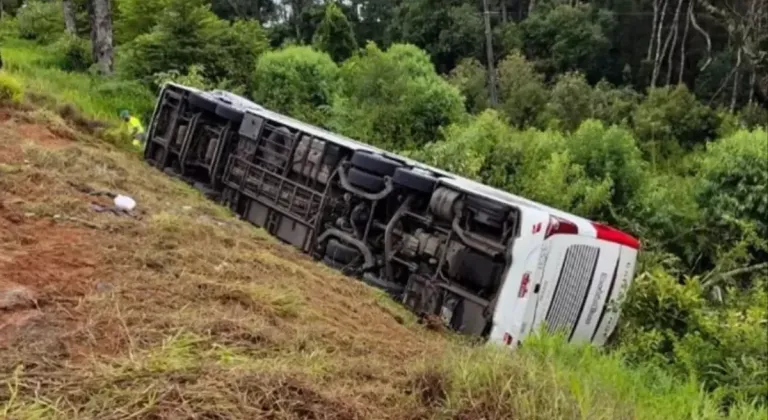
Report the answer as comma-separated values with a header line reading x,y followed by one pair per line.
x,y
334,35
69,16
100,13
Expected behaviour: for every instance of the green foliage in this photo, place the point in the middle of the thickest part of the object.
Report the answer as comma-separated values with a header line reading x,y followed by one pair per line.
x,y
608,154
570,102
394,98
670,325
190,34
547,378
11,89
567,38
522,94
137,17
298,81
471,78
665,214
734,190
41,21
754,116
614,106
71,53
9,28
672,115
447,30
334,35
467,146
195,77
507,38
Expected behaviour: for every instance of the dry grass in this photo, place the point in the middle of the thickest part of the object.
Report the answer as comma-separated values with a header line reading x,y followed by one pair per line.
x,y
184,312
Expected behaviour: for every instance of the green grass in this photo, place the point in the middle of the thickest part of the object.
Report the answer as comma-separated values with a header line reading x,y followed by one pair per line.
x,y
208,316
98,97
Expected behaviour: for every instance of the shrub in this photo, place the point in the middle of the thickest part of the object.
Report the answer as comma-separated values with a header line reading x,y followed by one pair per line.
x,y
471,78
9,28
608,154
734,175
672,115
11,89
298,81
671,325
467,146
522,94
41,21
394,98
71,53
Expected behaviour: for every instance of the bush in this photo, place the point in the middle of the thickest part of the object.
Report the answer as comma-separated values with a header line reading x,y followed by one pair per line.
x,y
671,115
522,93
671,325
471,78
71,53
394,98
467,146
11,89
9,28
608,154
298,81
41,21
734,175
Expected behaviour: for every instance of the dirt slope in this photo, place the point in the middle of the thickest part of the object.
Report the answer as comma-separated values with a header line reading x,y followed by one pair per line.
x,y
180,311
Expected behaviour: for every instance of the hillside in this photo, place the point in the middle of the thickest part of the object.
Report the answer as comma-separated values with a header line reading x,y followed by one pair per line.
x,y
185,312
652,120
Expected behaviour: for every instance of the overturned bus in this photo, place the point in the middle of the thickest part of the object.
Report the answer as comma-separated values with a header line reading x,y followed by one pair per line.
x,y
484,261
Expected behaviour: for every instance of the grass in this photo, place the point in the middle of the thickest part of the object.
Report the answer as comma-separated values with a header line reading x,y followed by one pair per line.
x,y
98,98
187,312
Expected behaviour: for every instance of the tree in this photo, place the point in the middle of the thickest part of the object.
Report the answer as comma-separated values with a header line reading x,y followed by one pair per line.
x,y
570,102
188,33
298,81
672,115
394,98
69,16
447,29
471,78
334,35
522,92
100,13
568,38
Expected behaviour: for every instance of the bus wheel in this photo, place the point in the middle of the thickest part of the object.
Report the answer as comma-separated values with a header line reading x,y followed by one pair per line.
x,y
365,180
340,252
414,180
374,164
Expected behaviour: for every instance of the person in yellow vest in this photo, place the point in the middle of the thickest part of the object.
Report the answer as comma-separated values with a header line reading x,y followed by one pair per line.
x,y
135,126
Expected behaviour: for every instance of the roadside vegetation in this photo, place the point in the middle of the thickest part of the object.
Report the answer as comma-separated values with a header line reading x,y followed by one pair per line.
x,y
247,327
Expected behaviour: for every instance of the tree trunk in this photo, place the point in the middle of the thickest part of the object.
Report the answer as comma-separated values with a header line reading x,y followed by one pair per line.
x,y
69,16
681,70
504,11
100,14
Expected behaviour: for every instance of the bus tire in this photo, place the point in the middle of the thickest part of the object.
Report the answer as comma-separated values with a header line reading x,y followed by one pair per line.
x,y
199,101
414,180
374,164
387,286
364,180
340,252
